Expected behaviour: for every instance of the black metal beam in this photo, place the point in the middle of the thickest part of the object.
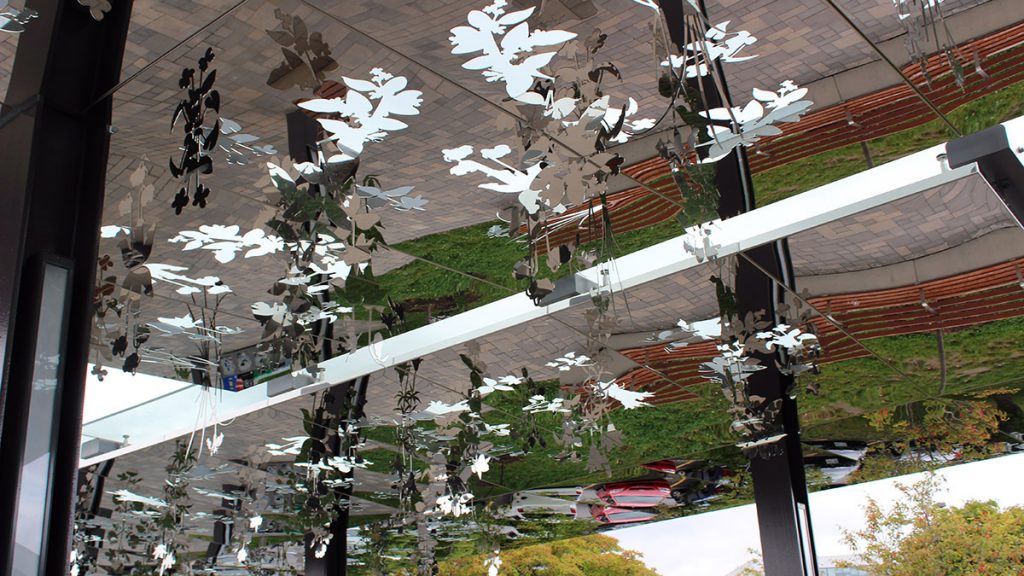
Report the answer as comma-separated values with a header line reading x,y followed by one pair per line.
x,y
780,489
999,164
53,149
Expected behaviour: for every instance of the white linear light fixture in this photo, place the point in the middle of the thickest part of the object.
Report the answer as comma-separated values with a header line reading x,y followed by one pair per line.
x,y
148,423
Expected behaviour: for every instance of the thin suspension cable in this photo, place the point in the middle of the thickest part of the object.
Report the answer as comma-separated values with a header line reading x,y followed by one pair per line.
x,y
893,66
167,52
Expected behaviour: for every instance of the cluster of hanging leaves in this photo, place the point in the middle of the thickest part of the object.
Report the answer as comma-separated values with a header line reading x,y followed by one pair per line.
x,y
332,233
565,123
171,524
748,341
328,456
407,402
87,536
329,219
128,532
927,33
148,535
200,101
117,306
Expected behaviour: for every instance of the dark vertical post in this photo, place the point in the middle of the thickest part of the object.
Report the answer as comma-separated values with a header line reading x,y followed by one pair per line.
x,y
344,403
780,488
53,150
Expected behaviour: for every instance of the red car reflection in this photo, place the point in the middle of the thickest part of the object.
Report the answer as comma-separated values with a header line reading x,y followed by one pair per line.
x,y
635,494
612,515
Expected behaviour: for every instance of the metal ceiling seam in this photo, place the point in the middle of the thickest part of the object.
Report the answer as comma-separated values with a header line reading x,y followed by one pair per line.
x,y
148,424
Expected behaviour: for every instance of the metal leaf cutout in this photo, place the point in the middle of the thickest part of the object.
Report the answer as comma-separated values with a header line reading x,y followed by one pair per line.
x,y
97,8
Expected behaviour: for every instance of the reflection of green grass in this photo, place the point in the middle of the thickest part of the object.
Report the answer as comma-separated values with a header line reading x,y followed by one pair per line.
x,y
648,434
978,357
380,460
470,250
385,499
807,173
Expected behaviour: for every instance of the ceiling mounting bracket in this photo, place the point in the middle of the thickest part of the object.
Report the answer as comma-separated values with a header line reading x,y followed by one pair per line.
x,y
999,154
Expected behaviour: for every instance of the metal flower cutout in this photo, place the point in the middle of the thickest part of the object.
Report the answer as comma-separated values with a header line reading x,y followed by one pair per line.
x,y
567,122
506,178
226,242
279,314
186,285
359,120
397,197
193,328
747,125
200,101
14,20
630,399
570,360
504,60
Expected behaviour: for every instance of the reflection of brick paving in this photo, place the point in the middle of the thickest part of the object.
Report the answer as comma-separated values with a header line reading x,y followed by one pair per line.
x,y
985,295
922,224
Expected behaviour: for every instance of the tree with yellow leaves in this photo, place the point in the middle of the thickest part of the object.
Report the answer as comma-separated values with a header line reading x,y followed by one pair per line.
x,y
583,556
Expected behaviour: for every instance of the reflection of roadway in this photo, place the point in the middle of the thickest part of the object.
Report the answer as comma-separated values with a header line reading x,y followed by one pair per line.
x,y
968,299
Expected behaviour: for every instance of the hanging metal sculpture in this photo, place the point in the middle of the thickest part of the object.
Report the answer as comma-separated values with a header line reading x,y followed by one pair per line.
x,y
199,112
927,33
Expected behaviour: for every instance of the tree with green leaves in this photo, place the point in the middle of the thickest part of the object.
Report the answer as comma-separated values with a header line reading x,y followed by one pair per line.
x,y
585,556
920,536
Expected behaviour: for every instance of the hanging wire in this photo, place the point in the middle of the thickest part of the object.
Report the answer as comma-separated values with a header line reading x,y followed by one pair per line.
x,y
927,102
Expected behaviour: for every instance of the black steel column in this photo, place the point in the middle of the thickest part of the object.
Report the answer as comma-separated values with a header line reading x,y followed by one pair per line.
x,y
53,154
780,487
344,403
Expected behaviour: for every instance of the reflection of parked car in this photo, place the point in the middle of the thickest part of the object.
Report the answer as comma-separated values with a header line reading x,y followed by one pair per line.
x,y
836,459
672,466
633,494
664,466
685,474
614,515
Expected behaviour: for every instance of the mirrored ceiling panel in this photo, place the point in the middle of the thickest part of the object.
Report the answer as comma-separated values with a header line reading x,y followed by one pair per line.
x,y
930,284
918,311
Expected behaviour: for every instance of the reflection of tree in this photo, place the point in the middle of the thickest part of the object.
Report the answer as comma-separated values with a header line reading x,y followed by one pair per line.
x,y
596,554
932,433
920,536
